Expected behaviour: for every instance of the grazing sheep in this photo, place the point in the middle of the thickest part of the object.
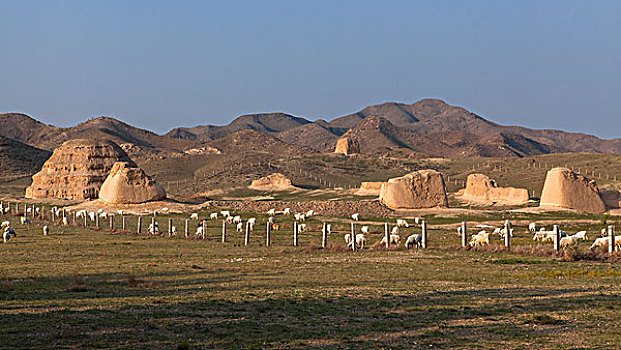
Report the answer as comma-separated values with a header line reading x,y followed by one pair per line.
x,y
275,226
540,236
156,213
199,230
479,239
395,230
604,232
6,235
91,215
417,220
229,219
355,216
300,217
173,230
329,228
164,209
99,211
237,219
46,230
271,220
252,222
302,228
212,216
194,216
532,227
414,240
347,238
24,220
402,223
361,240
502,232
459,230
604,242
103,215
5,224
582,235
310,213
549,235
240,227
364,229
271,212
120,212
287,211
393,239
570,241
65,221
154,229
225,213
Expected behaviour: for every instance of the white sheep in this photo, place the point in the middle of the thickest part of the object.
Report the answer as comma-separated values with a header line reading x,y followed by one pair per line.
x,y
237,219
229,219
310,213
270,220
65,221
103,215
402,223
395,230
532,227
24,220
240,227
355,216
212,216
329,228
393,239
479,239
46,230
299,217
582,235
194,216
6,235
271,212
199,230
154,229
120,212
569,241
6,224
302,228
361,240
225,213
364,229
91,215
99,211
164,209
287,211
604,242
252,222
414,240
417,220
173,230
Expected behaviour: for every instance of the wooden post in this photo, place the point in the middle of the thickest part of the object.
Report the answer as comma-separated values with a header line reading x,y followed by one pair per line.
x,y
204,228
33,211
386,235
557,238
247,236
223,231
353,236
187,228
611,239
464,234
170,224
153,226
424,234
324,235
295,233
123,223
268,234
507,236
111,222
97,220
139,229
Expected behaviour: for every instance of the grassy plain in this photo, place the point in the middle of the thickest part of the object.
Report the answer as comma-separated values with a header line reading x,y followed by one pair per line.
x,y
86,288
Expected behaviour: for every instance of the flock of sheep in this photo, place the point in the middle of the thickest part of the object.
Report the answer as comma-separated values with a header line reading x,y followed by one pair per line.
x,y
542,235
480,238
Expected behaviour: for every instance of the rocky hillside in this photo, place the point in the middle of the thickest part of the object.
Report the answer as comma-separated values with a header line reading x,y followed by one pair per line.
x,y
20,159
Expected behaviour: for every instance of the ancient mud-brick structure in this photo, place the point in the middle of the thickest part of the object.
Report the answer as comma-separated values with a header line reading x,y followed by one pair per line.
x,y
420,189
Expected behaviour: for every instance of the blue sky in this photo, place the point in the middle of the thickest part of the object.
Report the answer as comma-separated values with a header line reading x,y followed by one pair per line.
x,y
161,64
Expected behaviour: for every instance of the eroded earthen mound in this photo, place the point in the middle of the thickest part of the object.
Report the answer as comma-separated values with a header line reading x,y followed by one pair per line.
x,y
346,146
369,189
273,182
480,187
76,170
420,189
565,189
128,184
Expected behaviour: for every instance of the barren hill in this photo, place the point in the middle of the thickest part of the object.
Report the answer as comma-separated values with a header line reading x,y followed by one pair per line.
x,y
245,141
269,122
312,135
18,158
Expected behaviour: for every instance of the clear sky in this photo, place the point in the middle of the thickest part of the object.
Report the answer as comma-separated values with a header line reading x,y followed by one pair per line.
x,y
161,64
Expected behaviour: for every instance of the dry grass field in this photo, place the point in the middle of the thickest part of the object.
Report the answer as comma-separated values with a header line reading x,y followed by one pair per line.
x,y
89,288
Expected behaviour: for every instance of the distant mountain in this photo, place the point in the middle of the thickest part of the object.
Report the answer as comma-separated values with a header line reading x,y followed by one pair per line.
x,y
312,135
24,129
269,122
244,141
18,158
